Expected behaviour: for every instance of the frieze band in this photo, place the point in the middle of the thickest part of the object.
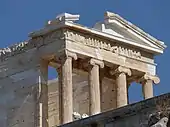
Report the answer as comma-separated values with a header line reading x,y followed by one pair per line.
x,y
96,43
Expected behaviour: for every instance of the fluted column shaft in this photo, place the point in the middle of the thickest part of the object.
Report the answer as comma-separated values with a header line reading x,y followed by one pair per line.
x,y
147,85
94,86
60,94
66,88
147,89
121,85
121,90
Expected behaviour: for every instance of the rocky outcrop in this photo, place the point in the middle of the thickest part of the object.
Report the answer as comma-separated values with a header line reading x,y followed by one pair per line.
x,y
139,114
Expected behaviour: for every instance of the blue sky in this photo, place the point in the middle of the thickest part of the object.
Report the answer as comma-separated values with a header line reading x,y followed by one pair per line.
x,y
20,17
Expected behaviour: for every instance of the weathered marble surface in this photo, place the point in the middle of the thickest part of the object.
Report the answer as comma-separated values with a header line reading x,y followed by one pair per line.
x,y
17,101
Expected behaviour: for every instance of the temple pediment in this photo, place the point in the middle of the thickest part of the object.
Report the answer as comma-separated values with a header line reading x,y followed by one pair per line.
x,y
115,25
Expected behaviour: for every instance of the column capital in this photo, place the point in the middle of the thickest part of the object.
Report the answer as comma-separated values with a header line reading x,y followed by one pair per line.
x,y
66,53
146,77
71,54
121,69
93,62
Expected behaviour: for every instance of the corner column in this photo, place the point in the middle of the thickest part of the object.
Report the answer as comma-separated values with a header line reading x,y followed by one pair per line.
x,y
58,69
121,85
94,86
43,95
66,88
147,85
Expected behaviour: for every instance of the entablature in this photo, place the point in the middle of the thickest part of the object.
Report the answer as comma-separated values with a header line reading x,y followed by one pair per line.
x,y
111,52
108,45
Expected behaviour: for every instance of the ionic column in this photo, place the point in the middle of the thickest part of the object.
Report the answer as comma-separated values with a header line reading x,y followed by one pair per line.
x,y
66,88
60,93
43,95
94,86
147,89
121,85
147,85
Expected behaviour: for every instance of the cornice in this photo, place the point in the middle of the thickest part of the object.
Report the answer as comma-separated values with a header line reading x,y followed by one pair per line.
x,y
111,16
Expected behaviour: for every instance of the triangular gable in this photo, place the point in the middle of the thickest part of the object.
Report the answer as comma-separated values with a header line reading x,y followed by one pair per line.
x,y
115,25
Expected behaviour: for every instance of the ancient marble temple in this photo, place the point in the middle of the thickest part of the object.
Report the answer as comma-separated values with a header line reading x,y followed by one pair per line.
x,y
95,67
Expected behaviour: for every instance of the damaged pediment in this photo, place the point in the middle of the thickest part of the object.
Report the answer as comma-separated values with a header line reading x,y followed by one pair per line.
x,y
115,25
